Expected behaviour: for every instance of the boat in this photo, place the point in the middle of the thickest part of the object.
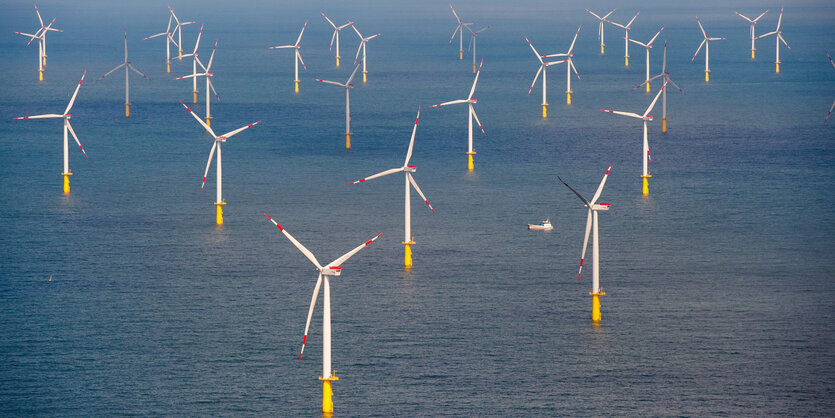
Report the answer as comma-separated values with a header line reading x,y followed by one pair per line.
x,y
542,226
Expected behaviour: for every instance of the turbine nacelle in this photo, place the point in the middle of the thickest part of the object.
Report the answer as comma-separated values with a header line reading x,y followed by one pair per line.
x,y
600,206
331,271
410,168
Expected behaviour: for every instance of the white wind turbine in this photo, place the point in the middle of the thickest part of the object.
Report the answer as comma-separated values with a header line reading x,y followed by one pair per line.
x,y
40,35
645,118
591,223
665,76
600,27
168,41
335,36
569,65
334,268
208,74
193,55
460,31
706,44
217,141
347,86
833,103
407,170
473,37
470,100
128,66
298,56
67,127
779,34
179,30
543,68
648,46
753,23
363,41
626,28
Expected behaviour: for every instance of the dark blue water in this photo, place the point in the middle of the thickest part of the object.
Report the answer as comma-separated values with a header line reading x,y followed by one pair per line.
x,y
719,284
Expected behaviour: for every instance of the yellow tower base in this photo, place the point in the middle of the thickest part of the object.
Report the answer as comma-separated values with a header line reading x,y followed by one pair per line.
x,y
777,67
296,82
364,76
407,254
180,55
752,53
595,306
664,125
473,68
66,182
568,97
470,166
194,96
337,61
220,212
44,60
209,120
127,110
707,76
327,393
544,110
460,54
168,67
40,75
347,140
626,61
648,87
601,48
645,188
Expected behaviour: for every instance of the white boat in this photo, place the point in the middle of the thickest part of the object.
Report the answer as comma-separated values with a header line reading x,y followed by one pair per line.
x,y
542,226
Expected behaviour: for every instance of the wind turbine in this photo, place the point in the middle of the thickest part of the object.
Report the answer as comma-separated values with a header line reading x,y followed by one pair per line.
x,y
298,56
128,66
543,68
363,41
168,41
460,31
194,66
645,117
833,103
626,28
647,46
569,65
706,43
348,86
67,127
335,36
753,23
332,269
473,37
470,116
209,85
666,78
218,140
600,27
179,30
591,223
40,35
779,34
407,170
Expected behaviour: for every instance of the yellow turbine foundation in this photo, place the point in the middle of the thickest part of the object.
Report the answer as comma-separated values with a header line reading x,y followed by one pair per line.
x,y
180,55
40,75
347,140
568,97
473,68
601,48
647,86
407,253
209,120
544,110
777,68
364,76
168,67
296,82
595,306
460,54
127,110
626,61
337,61
194,96
44,60
645,188
220,212
327,394
470,166
707,76
752,54
664,125
66,182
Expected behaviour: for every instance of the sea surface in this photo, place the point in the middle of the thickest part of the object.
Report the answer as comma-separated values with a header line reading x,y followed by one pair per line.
x,y
719,284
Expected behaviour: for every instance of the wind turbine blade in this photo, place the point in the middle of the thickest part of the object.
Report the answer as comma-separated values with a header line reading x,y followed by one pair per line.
x,y
700,27
298,245
330,82
535,77
449,103
470,42
607,14
206,127
338,262
414,184
746,17
76,138
780,37
761,15
372,36
570,48
174,15
698,49
664,60
212,86
212,57
617,112
310,312
333,38
483,29
197,44
628,25
329,21
358,51
830,112
380,174
780,19
673,83
651,105
191,76
208,164
479,123
593,14
653,38
639,43
475,81
236,131
301,33
600,187
539,57
357,31
453,33
352,75
575,192
154,36
765,34
455,14
49,116
72,100
39,15
571,62
299,55
111,71
281,47
412,141
648,81
830,59
585,243
137,71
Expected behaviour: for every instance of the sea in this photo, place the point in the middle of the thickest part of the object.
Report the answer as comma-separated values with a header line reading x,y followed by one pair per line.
x,y
125,298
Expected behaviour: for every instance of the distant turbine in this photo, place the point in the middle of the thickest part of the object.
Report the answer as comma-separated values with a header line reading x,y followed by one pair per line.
x,y
543,68
473,37
40,35
208,74
67,127
665,77
194,61
460,31
335,36
833,103
753,23
626,28
127,66
470,100
600,27
706,43
363,41
298,56
779,34
179,30
569,65
168,41
347,86
647,46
